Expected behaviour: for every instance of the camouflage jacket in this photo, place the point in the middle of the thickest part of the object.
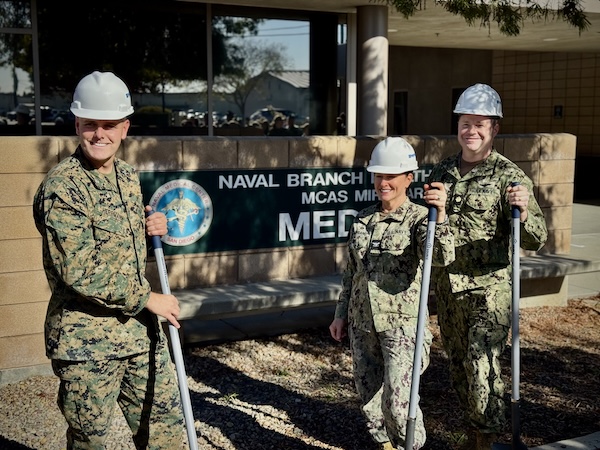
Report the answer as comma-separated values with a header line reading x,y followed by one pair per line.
x,y
94,255
382,282
480,218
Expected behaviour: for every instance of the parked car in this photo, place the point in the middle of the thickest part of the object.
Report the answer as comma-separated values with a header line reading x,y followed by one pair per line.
x,y
269,113
64,117
48,113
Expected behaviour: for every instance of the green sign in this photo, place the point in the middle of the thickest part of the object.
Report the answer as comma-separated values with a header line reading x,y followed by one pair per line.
x,y
213,211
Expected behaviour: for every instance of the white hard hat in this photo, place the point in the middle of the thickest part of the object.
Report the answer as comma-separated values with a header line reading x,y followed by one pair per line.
x,y
101,96
481,100
393,155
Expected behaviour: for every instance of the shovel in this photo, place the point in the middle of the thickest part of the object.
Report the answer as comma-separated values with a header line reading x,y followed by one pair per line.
x,y
421,321
515,403
176,347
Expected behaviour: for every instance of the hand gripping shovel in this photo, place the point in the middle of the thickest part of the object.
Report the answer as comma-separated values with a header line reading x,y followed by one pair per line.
x,y
516,444
421,321
176,346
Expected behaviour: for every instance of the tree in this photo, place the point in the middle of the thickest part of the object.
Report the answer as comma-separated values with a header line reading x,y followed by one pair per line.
x,y
510,15
253,61
148,43
13,47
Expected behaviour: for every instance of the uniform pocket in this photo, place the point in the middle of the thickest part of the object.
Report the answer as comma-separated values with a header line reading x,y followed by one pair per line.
x,y
482,202
480,215
108,226
395,243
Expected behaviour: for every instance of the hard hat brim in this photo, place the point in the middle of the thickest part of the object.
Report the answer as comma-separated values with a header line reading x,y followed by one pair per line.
x,y
100,115
390,170
490,114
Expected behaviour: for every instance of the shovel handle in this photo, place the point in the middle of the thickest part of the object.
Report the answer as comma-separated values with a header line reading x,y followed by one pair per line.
x,y
516,212
517,443
184,390
516,294
432,215
421,323
156,242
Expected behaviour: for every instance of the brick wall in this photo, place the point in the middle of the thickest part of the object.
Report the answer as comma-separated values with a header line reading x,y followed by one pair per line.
x,y
549,159
553,92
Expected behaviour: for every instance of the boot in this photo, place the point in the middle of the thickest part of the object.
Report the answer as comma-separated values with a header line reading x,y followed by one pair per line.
x,y
485,440
387,446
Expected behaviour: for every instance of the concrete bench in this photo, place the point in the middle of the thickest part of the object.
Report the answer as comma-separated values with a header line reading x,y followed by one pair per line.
x,y
243,311
236,312
550,266
255,298
544,278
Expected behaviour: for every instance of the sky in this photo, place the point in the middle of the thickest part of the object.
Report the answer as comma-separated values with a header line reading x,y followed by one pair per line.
x,y
293,35
6,81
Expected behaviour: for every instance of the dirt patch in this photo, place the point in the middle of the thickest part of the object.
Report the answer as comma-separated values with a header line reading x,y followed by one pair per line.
x,y
295,391
303,384
560,378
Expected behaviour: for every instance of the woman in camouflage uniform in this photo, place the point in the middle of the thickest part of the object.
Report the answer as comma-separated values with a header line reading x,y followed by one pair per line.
x,y
379,302
474,292
102,331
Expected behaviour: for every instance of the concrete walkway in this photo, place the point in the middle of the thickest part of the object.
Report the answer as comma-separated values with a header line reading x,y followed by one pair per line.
x,y
585,244
588,442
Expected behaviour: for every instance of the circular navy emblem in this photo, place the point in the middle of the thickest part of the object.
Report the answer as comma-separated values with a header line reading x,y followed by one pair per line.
x,y
188,209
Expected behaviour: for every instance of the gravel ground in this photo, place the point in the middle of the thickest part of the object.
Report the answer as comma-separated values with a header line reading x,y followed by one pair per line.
x,y
295,392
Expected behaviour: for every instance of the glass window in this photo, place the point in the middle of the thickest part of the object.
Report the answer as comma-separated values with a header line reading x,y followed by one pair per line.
x,y
456,92
266,88
16,88
192,68
158,49
400,112
15,14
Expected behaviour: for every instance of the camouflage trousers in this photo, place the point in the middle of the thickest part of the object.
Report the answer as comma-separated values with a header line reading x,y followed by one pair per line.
x,y
382,365
145,388
474,327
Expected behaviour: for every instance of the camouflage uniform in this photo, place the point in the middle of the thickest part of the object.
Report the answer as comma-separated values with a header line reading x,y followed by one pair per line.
x,y
104,345
474,292
380,300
